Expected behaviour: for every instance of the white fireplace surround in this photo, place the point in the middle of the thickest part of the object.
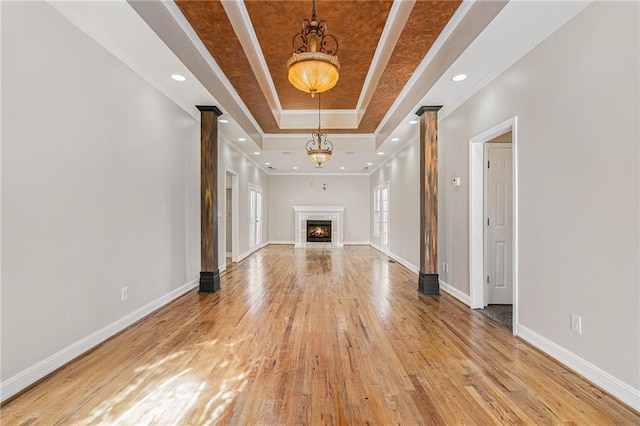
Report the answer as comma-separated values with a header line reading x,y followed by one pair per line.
x,y
333,213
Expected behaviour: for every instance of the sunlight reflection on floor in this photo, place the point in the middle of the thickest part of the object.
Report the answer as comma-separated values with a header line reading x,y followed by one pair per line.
x,y
381,290
154,398
255,284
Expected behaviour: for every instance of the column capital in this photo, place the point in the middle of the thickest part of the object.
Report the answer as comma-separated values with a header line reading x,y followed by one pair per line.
x,y
209,108
423,109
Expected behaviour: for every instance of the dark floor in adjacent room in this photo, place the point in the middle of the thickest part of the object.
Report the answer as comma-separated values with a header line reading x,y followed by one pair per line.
x,y
502,314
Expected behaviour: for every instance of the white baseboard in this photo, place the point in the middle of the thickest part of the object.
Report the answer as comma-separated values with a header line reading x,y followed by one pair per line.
x,y
356,243
601,378
244,255
250,251
345,243
410,266
464,298
36,372
375,246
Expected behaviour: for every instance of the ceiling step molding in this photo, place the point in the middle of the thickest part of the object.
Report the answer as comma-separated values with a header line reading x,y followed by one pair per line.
x,y
243,27
398,16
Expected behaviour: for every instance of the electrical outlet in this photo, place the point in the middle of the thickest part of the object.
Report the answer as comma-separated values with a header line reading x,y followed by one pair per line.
x,y
576,323
124,294
445,267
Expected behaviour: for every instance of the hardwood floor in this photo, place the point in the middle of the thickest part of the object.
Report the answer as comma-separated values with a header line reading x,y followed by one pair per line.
x,y
315,336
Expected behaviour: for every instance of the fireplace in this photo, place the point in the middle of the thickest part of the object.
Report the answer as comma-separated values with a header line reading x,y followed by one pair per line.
x,y
319,231
333,214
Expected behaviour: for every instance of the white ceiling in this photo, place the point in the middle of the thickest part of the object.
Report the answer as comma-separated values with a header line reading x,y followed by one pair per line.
x,y
518,28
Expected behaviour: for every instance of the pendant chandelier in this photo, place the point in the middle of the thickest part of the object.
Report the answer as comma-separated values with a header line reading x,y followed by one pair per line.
x,y
314,66
319,148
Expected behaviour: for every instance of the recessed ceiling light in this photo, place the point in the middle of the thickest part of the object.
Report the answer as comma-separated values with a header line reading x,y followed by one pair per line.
x,y
256,153
380,153
295,167
223,121
459,77
267,164
178,77
413,121
241,139
369,164
342,167
395,139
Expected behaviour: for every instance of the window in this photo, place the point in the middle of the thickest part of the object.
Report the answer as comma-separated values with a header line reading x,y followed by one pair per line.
x,y
381,213
255,216
384,215
376,211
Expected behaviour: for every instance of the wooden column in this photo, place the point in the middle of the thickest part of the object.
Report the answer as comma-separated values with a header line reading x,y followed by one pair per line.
x,y
209,272
428,283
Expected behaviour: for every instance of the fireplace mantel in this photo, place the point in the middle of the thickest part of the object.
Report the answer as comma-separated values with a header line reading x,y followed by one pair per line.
x,y
333,213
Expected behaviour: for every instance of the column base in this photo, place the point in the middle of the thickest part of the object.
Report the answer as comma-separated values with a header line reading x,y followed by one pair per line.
x,y
209,282
428,284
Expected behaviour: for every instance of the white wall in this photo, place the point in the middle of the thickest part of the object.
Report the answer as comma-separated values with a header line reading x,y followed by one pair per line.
x,y
248,173
100,190
307,190
576,99
403,174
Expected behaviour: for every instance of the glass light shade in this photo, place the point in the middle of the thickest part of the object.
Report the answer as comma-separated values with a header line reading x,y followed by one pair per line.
x,y
319,156
313,72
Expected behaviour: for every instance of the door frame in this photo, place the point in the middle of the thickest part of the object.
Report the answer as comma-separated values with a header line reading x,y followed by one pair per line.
x,y
476,214
234,212
253,226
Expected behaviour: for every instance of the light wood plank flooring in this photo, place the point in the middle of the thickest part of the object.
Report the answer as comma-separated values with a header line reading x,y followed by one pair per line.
x,y
315,336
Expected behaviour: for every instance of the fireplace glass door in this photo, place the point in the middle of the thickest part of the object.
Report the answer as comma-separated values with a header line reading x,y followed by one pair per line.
x,y
319,231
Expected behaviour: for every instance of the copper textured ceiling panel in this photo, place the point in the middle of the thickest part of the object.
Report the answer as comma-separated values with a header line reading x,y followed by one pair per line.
x,y
357,25
210,22
423,27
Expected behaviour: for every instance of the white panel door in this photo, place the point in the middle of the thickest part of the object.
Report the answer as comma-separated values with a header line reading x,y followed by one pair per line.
x,y
498,221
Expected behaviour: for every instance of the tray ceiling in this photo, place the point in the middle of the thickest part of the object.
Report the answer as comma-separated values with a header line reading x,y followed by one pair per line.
x,y
369,82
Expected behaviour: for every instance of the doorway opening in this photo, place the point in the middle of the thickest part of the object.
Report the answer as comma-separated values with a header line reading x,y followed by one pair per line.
x,y
493,223
231,217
